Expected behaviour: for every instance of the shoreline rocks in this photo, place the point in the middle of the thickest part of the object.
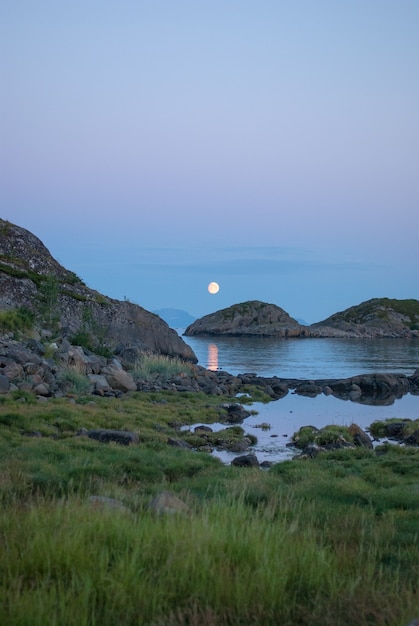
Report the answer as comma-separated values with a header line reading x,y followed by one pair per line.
x,y
72,369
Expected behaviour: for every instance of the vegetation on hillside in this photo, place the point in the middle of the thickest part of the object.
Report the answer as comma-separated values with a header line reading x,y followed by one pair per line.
x,y
16,320
379,310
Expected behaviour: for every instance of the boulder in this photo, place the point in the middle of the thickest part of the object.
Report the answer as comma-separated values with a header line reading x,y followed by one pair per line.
x,y
309,389
13,371
179,443
100,383
104,435
413,439
118,378
360,437
4,384
246,460
109,504
166,503
41,389
236,413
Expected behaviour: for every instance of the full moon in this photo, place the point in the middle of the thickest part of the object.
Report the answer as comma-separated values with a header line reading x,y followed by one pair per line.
x,y
213,287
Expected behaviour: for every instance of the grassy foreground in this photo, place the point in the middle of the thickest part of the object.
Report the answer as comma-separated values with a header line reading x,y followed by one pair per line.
x,y
329,541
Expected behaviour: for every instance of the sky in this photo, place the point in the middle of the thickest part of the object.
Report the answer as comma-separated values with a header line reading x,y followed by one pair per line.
x,y
271,146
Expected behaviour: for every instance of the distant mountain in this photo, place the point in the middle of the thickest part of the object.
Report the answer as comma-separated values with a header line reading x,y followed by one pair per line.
x,y
176,318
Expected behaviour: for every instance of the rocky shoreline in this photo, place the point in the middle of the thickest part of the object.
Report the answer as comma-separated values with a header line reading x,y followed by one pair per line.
x,y
25,366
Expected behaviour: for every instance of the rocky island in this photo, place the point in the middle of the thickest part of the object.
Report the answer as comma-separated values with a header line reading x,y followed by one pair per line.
x,y
378,317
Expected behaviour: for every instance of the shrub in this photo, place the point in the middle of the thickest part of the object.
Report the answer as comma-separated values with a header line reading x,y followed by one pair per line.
x,y
73,381
151,366
19,319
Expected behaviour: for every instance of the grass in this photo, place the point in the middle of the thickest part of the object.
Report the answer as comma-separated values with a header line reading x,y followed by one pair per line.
x,y
334,540
151,366
73,381
20,319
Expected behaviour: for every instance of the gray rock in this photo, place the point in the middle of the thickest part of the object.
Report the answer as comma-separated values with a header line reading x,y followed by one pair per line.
x,y
166,503
100,383
118,378
413,439
309,389
179,443
123,437
42,390
246,460
4,384
360,437
236,413
103,502
13,371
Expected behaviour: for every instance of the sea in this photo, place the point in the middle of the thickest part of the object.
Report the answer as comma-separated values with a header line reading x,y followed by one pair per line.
x,y
307,359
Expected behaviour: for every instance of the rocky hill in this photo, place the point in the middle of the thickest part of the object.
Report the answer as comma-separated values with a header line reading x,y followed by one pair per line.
x,y
32,282
380,317
253,318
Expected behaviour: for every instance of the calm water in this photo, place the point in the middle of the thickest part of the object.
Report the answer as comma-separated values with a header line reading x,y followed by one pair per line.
x,y
308,359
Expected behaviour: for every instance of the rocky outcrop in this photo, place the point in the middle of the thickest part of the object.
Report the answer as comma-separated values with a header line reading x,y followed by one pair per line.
x,y
31,278
253,318
312,441
380,317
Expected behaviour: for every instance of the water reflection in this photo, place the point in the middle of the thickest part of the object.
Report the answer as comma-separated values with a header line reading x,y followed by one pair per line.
x,y
306,358
212,361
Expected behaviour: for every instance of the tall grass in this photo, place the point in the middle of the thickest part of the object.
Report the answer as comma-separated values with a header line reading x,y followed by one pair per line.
x,y
16,320
73,381
151,366
226,563
330,541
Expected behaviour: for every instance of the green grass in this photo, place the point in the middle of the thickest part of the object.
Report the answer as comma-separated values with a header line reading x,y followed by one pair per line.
x,y
20,319
73,381
329,541
151,366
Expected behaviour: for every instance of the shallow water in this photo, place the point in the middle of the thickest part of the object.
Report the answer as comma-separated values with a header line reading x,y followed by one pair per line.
x,y
308,359
289,414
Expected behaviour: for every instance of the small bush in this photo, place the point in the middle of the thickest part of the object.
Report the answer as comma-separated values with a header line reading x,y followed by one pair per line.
x,y
73,381
322,437
152,366
20,319
86,339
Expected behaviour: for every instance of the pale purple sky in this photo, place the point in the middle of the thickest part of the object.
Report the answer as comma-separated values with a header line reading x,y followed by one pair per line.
x,y
271,146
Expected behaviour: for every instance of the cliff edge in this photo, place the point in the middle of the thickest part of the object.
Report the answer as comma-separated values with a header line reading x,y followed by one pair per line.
x,y
32,280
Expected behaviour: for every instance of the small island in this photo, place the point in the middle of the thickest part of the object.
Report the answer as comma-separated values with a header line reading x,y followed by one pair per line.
x,y
378,317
